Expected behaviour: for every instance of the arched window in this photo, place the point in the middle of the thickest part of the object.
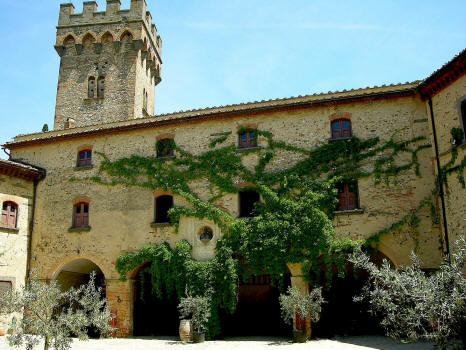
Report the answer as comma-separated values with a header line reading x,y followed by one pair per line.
x,y
347,196
162,206
144,99
9,214
247,199
84,158
247,139
101,87
341,128
81,215
91,87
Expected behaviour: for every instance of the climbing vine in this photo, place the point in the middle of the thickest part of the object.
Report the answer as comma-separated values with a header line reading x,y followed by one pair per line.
x,y
293,221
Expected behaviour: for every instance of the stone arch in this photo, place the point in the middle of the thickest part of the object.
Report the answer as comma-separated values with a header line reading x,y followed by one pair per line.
x,y
70,38
78,264
79,199
340,115
108,34
126,31
89,35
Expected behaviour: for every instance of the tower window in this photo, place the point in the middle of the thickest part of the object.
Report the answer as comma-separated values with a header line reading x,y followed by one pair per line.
x,y
247,139
91,87
9,214
81,215
144,99
101,87
247,199
84,158
341,128
347,196
162,206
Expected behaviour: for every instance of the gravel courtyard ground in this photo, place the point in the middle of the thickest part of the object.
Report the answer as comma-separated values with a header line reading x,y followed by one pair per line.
x,y
343,343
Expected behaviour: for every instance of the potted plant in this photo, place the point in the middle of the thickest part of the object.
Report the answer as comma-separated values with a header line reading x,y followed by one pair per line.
x,y
296,306
197,309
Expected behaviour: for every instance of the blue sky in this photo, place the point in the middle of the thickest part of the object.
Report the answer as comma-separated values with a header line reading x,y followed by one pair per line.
x,y
222,52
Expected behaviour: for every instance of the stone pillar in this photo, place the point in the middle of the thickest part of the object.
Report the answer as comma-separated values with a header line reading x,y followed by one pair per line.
x,y
120,296
298,281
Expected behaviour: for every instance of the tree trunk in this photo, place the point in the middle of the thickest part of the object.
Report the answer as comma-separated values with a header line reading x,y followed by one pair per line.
x,y
46,343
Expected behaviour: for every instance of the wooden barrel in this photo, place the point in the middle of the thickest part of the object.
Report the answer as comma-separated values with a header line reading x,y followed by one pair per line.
x,y
186,330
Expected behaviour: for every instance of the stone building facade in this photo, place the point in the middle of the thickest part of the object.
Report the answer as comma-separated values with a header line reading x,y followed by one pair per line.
x,y
110,65
18,183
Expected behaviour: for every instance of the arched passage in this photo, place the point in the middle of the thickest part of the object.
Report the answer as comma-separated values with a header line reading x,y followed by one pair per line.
x,y
341,315
153,316
258,308
77,272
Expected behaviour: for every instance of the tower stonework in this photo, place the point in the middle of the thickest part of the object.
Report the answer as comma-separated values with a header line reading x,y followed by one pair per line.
x,y
110,63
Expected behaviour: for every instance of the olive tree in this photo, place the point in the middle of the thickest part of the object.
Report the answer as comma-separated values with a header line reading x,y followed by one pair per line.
x,y
416,304
54,316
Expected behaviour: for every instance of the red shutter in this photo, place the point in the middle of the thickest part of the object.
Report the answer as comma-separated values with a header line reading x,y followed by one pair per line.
x,y
81,215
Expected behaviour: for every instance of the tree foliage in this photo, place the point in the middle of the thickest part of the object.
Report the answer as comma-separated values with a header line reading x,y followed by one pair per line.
x,y
414,304
197,309
295,305
54,316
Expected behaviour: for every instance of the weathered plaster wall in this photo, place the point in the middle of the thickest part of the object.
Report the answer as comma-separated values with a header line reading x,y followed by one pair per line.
x,y
13,242
120,217
446,106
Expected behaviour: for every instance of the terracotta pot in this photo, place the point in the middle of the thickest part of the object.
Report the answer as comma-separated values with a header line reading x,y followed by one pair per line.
x,y
2,332
299,336
186,330
198,337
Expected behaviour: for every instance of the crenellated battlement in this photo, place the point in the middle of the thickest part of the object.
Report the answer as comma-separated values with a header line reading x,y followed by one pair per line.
x,y
110,64
113,20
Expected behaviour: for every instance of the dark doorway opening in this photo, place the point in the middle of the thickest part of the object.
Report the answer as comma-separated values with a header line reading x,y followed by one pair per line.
x,y
247,200
258,309
153,316
341,315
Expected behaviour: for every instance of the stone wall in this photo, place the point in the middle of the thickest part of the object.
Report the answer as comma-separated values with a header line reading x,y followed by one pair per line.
x,y
14,242
120,217
446,106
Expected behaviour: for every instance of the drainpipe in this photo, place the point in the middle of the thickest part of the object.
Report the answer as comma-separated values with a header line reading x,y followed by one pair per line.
x,y
439,180
31,230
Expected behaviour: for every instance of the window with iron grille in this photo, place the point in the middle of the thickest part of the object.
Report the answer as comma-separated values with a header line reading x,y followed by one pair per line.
x,y
9,214
91,88
81,215
347,196
162,206
247,139
341,128
101,87
85,158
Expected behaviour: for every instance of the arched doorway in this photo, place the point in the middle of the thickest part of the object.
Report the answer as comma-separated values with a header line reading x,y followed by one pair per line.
x,y
258,308
153,316
341,315
77,272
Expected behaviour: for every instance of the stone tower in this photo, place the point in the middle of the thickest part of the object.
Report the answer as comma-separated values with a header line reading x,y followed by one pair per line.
x,y
110,63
